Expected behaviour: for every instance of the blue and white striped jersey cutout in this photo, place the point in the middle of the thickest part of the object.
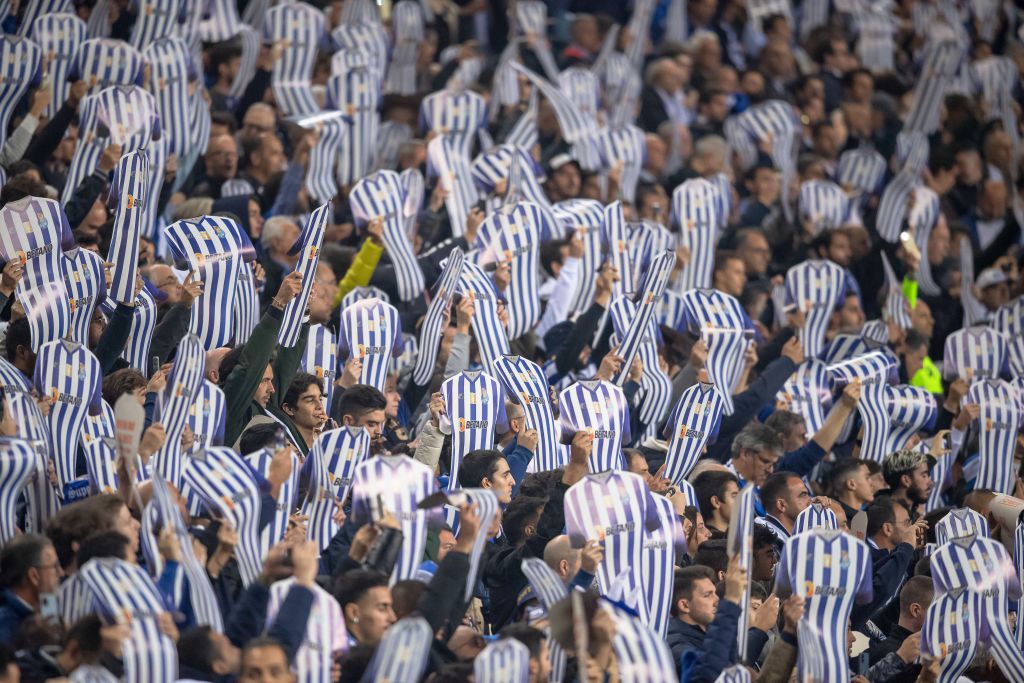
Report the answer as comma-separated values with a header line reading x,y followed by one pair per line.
x,y
625,145
974,311
370,39
69,376
525,383
330,467
662,546
862,170
643,656
183,384
124,594
599,505
303,30
808,393
325,637
17,466
40,497
84,280
284,503
321,360
357,95
656,387
825,206
32,10
960,522
512,235
503,661
104,62
201,595
431,331
221,21
251,44
454,114
474,412
214,248
897,308
172,69
693,423
696,217
402,483
370,329
156,19
573,124
653,289
451,167
952,631
486,325
911,409
975,353
408,29
615,236
307,246
940,64
815,516
584,217
129,187
227,484
816,287
58,36
21,63
600,407
874,370
741,545
1002,415
382,195
403,652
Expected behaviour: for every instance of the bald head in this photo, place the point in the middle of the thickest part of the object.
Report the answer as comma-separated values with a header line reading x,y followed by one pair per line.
x,y
213,361
562,557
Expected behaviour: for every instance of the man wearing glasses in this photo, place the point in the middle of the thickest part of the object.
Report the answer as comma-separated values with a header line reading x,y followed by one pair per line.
x,y
29,574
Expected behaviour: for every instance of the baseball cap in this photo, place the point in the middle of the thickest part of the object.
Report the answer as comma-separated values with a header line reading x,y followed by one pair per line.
x,y
990,277
558,161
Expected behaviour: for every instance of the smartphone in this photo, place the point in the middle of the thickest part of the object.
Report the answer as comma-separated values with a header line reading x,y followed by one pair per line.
x,y
154,365
49,609
947,442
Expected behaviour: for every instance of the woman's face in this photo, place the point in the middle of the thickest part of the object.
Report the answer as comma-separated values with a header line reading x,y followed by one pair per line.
x,y
255,220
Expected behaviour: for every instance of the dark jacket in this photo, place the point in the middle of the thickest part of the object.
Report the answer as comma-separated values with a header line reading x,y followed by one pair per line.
x,y
889,571
13,611
240,386
760,393
716,650
652,110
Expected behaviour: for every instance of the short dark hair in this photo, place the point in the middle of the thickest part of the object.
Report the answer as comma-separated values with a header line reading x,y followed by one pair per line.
x,y
762,537
917,589
517,514
686,578
941,158
258,436
121,382
841,473
299,384
711,484
405,596
914,340
899,463
353,585
722,256
478,465
19,333
261,642
529,636
21,554
714,554
540,484
774,487
358,400
103,544
882,511
76,522
781,421
196,649
228,363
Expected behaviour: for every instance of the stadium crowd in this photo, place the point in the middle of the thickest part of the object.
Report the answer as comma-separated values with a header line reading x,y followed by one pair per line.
x,y
511,341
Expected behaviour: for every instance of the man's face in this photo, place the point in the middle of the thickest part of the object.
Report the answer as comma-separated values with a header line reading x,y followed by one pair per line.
x,y
755,253
255,220
863,88
919,484
285,240
229,656
732,490
921,319
704,602
373,420
266,388
375,615
309,413
877,482
266,665
901,527
765,560
502,481
393,397
270,159
732,277
799,498
257,122
717,109
995,296
49,570
938,242
826,142
164,279
221,158
566,181
968,167
755,464
445,542
587,34
128,526
541,664
794,438
992,200
851,315
863,490
767,185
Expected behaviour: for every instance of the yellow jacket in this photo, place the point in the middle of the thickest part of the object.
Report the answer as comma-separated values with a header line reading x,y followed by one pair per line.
x,y
361,270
